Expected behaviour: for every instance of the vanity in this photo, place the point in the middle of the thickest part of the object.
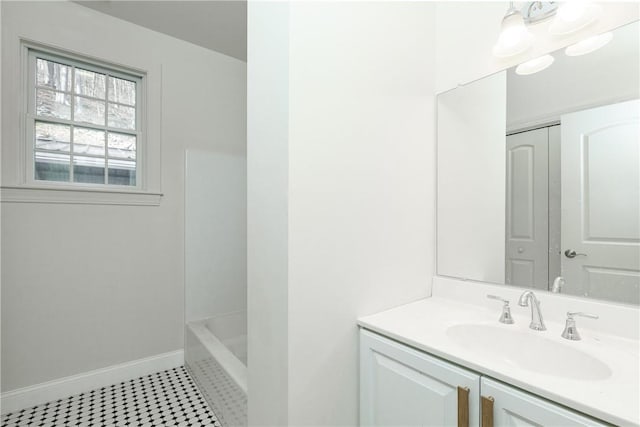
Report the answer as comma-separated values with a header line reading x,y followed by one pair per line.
x,y
533,317
448,361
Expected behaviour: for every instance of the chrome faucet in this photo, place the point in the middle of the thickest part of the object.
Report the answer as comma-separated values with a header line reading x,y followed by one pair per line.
x,y
529,298
505,317
570,331
558,284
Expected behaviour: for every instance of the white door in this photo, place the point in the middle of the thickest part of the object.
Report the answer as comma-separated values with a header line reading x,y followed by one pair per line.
x,y
527,220
515,408
601,202
400,386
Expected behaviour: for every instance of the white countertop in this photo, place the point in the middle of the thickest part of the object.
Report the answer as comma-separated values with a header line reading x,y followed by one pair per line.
x,y
423,325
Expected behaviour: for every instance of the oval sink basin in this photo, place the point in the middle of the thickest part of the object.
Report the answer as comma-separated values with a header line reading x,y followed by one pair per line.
x,y
529,351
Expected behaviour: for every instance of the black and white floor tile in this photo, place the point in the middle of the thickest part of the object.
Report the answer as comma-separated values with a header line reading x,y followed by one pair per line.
x,y
226,399
168,398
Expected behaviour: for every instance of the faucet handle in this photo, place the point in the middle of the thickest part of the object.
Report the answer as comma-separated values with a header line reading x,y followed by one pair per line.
x,y
570,315
505,317
506,301
570,330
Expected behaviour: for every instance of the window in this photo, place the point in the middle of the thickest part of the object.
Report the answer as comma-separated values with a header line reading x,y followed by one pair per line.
x,y
83,123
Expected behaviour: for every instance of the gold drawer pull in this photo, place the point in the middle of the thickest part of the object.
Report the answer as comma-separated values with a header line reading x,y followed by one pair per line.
x,y
487,411
463,406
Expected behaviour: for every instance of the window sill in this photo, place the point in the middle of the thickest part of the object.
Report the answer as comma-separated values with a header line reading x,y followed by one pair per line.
x,y
80,196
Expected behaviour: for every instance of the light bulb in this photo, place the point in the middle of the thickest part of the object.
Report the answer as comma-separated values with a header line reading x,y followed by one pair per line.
x,y
534,65
589,45
573,16
571,11
514,37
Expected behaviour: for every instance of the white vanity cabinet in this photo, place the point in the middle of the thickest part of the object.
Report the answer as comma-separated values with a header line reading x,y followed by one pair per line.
x,y
402,386
513,407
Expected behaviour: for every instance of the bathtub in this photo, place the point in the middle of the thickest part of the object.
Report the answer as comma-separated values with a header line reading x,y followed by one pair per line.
x,y
216,357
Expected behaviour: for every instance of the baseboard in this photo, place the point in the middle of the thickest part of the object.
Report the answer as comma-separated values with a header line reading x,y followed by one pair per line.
x,y
64,387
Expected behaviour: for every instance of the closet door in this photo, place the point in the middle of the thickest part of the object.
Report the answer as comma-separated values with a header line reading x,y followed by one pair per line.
x,y
401,386
504,405
527,219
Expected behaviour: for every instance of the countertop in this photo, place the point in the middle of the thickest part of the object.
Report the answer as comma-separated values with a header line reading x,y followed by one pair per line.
x,y
423,325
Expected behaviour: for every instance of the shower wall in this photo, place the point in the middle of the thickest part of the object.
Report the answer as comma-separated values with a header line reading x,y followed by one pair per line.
x,y
215,234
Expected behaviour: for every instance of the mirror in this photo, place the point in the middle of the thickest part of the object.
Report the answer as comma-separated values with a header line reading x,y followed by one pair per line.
x,y
539,175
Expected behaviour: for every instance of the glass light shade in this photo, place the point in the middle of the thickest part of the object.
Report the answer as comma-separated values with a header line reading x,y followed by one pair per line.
x,y
514,38
588,45
535,65
573,16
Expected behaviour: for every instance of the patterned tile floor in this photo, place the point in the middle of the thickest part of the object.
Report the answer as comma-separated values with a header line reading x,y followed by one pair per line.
x,y
228,401
168,398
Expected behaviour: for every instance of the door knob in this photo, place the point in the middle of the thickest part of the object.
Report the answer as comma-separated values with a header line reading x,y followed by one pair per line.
x,y
570,253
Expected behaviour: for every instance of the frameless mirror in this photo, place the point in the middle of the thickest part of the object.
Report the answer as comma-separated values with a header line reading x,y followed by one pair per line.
x,y
539,175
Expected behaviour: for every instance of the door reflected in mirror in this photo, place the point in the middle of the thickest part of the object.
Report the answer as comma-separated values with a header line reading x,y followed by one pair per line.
x,y
539,175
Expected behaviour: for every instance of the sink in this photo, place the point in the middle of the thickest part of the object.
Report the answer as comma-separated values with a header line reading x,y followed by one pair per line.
x,y
530,351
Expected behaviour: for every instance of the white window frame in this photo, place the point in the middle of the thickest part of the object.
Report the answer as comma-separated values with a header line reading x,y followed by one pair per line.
x,y
24,188
32,117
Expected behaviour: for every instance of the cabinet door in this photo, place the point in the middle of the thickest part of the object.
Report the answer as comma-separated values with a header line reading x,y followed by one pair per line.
x,y
400,386
515,408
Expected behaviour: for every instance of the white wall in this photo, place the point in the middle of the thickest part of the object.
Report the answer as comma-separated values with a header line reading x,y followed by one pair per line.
x,y
88,286
356,122
471,180
467,31
1,139
267,210
215,234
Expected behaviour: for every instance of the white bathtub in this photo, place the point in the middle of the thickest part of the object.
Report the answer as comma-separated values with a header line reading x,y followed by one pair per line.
x,y
216,357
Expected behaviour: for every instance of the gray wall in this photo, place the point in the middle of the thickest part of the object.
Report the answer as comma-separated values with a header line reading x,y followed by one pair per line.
x,y
89,286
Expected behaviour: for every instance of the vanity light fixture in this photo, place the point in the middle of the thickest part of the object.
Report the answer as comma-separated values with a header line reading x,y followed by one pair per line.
x,y
514,36
573,16
589,45
538,11
534,65
568,17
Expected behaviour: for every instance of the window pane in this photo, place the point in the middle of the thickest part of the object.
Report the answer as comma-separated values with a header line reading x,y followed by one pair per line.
x,y
86,122
122,91
52,74
89,83
122,172
50,136
88,141
89,111
50,103
122,146
122,117
88,169
51,166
